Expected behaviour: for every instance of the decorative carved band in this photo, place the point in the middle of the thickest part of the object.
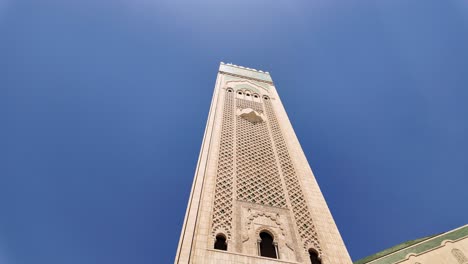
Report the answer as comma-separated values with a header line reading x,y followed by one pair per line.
x,y
222,209
300,210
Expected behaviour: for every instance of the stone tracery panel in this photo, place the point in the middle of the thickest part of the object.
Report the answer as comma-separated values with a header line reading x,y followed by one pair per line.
x,y
300,210
222,209
242,104
257,175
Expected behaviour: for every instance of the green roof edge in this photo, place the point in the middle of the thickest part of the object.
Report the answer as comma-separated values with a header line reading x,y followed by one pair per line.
x,y
400,251
391,250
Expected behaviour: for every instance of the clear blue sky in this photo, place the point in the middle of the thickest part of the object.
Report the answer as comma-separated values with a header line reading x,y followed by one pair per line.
x,y
103,106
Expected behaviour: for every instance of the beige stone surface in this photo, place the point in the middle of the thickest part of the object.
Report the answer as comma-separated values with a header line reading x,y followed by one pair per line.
x,y
252,176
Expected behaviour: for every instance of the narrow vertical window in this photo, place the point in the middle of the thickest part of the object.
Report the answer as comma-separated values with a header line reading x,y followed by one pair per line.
x,y
256,98
267,247
220,242
314,258
240,95
248,96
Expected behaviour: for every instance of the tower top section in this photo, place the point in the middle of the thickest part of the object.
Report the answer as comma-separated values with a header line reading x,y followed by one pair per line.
x,y
249,73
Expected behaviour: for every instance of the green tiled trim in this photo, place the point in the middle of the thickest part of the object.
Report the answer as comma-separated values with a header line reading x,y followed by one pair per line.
x,y
391,250
236,70
399,252
232,78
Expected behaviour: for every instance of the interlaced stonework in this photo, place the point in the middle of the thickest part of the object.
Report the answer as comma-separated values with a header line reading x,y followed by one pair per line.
x,y
301,213
241,103
222,209
257,175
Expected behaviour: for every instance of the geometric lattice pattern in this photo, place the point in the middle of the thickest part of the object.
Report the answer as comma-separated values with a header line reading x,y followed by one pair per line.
x,y
222,209
241,103
301,213
257,174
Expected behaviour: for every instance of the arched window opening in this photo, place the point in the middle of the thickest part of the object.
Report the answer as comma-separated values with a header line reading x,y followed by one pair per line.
x,y
266,246
314,258
256,96
220,242
240,93
265,97
229,90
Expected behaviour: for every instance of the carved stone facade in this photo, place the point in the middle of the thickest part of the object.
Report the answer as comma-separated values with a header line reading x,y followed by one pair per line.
x,y
252,179
459,256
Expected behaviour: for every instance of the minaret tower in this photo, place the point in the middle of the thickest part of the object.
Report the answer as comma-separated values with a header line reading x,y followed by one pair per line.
x,y
254,197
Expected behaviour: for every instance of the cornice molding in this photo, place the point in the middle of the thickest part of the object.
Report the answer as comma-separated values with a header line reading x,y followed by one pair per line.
x,y
245,68
245,77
